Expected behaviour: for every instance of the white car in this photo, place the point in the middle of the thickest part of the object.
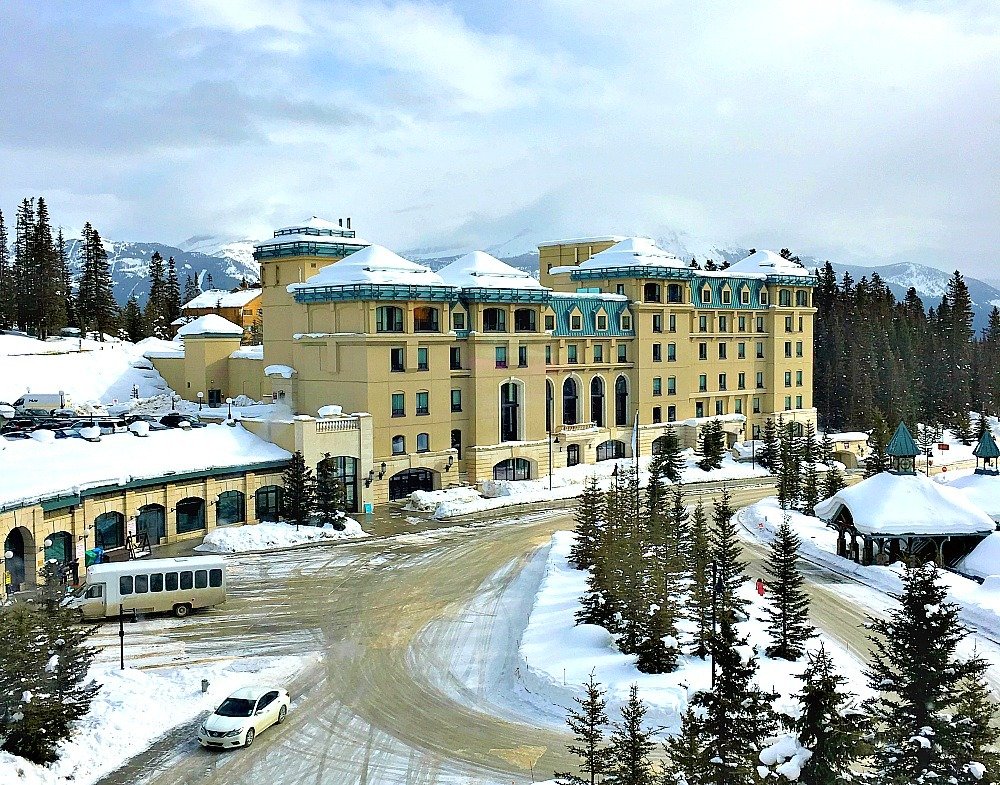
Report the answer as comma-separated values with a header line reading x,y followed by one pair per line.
x,y
243,715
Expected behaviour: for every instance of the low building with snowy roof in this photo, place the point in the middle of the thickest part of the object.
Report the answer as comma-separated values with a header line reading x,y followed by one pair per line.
x,y
242,307
899,514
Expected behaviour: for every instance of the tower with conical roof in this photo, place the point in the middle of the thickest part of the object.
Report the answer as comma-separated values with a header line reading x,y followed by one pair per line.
x,y
901,451
987,452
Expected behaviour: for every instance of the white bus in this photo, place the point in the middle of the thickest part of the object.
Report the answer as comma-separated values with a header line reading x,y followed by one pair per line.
x,y
152,586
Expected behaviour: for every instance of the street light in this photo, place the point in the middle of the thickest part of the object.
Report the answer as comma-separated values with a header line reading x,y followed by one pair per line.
x,y
229,403
201,398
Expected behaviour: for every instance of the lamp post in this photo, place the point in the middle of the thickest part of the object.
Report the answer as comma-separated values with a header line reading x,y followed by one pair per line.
x,y
201,400
229,403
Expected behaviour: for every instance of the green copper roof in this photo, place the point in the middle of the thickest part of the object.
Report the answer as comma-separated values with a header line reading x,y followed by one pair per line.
x,y
901,445
987,447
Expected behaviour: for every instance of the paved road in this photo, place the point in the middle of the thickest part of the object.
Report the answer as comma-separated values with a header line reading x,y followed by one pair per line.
x,y
365,714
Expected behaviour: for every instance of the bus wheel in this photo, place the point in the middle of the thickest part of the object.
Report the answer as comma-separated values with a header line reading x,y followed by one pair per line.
x,y
181,610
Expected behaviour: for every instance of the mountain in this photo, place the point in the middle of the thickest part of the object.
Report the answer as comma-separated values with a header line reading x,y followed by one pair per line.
x,y
227,263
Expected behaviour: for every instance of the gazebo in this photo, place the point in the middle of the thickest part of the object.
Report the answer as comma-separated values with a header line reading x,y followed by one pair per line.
x,y
987,452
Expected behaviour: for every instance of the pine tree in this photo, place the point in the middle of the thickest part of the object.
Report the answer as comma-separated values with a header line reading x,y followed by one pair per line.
x,y
298,497
826,450
789,480
330,493
191,289
209,283
673,462
829,725
133,324
631,744
49,308
713,445
787,613
69,302
921,732
677,531
833,482
589,515
962,427
978,734
171,294
699,574
810,476
25,278
156,305
877,460
768,455
7,285
689,757
96,306
588,723
726,553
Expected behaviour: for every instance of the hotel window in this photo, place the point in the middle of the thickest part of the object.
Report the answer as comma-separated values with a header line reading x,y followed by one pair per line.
x,y
622,353
742,324
760,380
657,386
575,321
548,354
651,293
671,414
798,401
396,362
671,352
745,296
494,320
741,351
524,320
788,348
800,324
723,323
425,319
699,409
657,352
727,296
788,403
522,356
756,405
798,348
741,381
722,381
657,414
619,288
784,298
674,293
598,353
571,356
458,320
398,445
788,324
422,358
722,351
671,385
706,294
456,400
702,351
500,354
626,321
388,319
802,298
456,358
763,296
760,324
398,404
760,350
788,378
602,321
702,382
423,442
738,406
798,378
718,408
550,322
672,323
423,403
657,323
703,324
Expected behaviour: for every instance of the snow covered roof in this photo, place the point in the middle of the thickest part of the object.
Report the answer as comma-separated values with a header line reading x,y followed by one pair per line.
x,y
901,445
313,222
984,560
987,447
284,371
248,353
375,264
313,230
216,298
75,465
767,263
982,490
482,271
209,325
906,504
849,436
632,252
610,238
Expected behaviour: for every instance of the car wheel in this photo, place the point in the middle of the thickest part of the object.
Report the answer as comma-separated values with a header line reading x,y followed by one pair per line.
x,y
181,610
282,713
250,737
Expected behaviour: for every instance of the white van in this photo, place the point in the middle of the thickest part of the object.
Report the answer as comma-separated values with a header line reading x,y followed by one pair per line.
x,y
177,585
42,402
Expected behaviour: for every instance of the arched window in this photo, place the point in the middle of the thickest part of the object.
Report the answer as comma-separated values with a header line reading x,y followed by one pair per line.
x,y
597,401
152,521
230,507
345,472
784,297
267,502
494,320
570,401
572,454
525,320
402,484
659,445
674,294
190,514
425,319
109,530
399,445
59,547
510,412
610,450
512,469
651,293
423,442
388,319
621,401
802,298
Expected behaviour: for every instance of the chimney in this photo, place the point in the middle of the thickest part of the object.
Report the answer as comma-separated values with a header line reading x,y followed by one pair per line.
x,y
348,222
340,222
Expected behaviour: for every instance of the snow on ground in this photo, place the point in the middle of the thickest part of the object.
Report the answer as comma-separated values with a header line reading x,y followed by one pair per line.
x,y
983,490
72,465
567,483
267,536
984,560
87,371
121,722
559,655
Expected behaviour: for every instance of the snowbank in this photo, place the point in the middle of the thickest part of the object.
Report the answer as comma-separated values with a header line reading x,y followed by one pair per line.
x,y
984,561
982,490
271,536
121,724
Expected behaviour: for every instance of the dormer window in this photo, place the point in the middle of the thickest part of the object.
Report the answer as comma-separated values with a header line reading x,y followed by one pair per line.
x,y
727,296
602,321
550,321
763,296
575,321
706,295
626,321
745,295
458,320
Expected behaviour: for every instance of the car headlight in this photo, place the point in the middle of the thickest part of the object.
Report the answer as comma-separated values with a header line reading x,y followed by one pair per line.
x,y
235,732
203,729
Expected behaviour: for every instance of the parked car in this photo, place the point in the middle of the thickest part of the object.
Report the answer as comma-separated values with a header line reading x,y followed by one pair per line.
x,y
153,423
107,425
243,715
174,419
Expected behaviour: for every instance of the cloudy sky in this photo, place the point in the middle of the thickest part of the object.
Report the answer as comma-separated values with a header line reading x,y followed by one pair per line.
x,y
858,130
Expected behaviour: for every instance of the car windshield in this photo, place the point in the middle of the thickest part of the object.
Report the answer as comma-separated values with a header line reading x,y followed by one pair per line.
x,y
81,591
235,707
